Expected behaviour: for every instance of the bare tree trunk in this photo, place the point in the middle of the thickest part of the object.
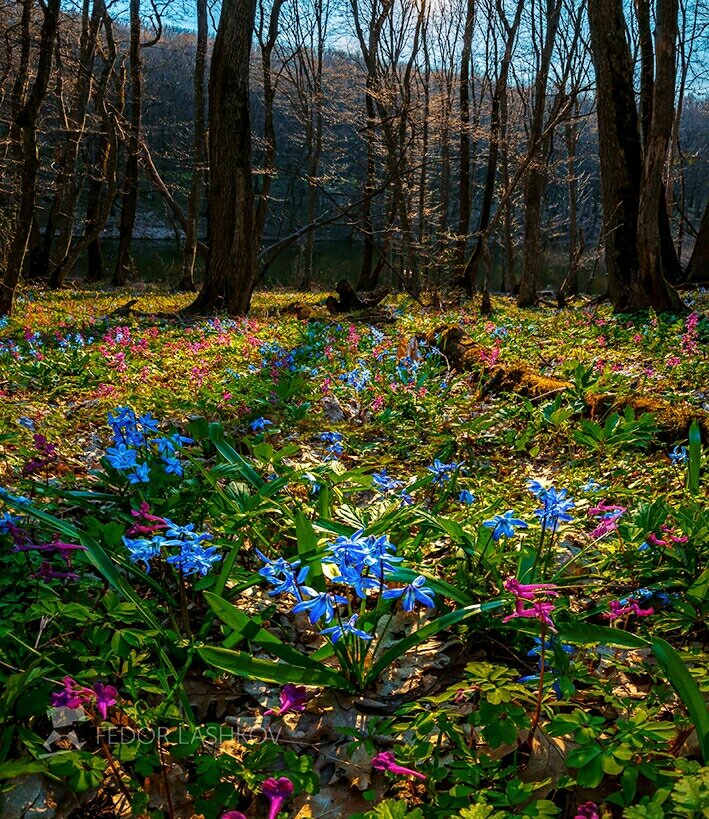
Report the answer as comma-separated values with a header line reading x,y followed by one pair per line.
x,y
649,288
26,124
698,267
465,195
269,130
499,96
198,151
618,144
129,201
535,179
230,275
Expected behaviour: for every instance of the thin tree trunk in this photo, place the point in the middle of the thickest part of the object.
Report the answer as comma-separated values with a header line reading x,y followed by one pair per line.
x,y
230,275
26,124
465,196
649,287
198,151
129,201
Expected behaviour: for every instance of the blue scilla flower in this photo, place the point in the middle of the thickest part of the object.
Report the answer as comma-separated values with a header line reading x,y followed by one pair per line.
x,y
357,378
7,521
504,525
173,466
679,455
140,474
260,424
415,592
148,423
143,550
466,497
384,483
360,583
320,605
591,486
442,472
286,577
185,532
535,487
405,498
121,457
195,559
330,437
25,422
555,507
337,632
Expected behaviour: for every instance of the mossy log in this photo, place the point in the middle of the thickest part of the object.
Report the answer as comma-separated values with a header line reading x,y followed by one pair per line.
x,y
465,355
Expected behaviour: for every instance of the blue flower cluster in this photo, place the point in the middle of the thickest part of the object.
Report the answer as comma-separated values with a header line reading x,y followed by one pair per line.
x,y
555,505
334,446
358,378
363,564
135,437
192,557
441,472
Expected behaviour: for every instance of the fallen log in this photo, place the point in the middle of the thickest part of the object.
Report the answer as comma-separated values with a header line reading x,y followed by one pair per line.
x,y
465,355
349,300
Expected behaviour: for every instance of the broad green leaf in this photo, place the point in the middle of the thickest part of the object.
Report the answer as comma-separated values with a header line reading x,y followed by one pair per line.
x,y
421,634
245,627
242,664
695,457
590,634
687,690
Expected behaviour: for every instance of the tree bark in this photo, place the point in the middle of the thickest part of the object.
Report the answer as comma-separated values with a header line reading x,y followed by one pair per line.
x,y
618,144
649,287
464,190
198,151
26,124
230,275
698,267
129,201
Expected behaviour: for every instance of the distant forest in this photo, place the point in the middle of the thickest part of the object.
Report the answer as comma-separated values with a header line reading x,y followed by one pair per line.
x,y
439,135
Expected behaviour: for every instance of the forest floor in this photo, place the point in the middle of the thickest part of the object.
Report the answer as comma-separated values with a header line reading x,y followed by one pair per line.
x,y
500,584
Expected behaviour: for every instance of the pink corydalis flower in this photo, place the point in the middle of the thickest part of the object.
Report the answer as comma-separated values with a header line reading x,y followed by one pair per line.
x,y
277,791
292,699
618,610
386,761
233,814
537,611
587,810
74,695
529,591
603,508
154,523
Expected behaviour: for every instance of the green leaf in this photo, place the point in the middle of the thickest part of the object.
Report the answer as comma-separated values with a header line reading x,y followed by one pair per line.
x,y
686,688
587,633
244,627
307,550
402,646
10,770
232,456
242,664
695,457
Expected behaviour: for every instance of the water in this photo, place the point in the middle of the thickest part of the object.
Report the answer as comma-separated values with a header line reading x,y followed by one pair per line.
x,y
159,261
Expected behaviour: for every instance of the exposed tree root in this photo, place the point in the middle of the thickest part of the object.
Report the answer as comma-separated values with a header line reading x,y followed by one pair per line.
x,y
464,355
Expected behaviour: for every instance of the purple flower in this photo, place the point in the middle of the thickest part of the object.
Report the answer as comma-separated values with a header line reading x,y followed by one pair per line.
x,y
385,761
529,591
292,699
233,814
105,698
587,810
538,611
277,791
